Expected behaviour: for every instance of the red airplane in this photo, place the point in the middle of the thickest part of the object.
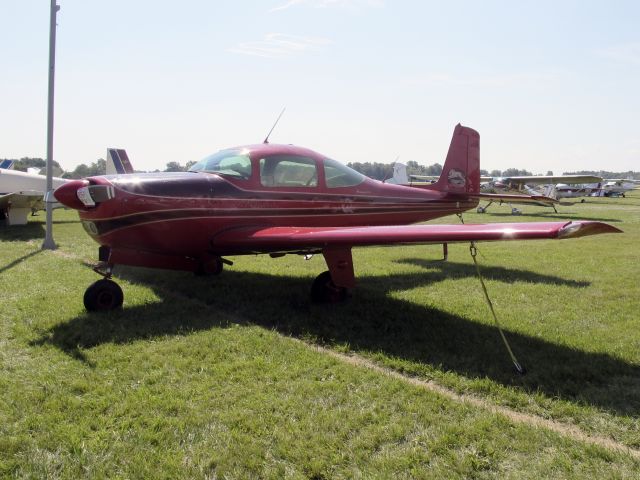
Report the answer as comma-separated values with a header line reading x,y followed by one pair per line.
x,y
280,199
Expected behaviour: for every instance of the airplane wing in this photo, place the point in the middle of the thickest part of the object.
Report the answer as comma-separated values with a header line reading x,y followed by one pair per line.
x,y
506,198
544,179
301,238
18,205
27,199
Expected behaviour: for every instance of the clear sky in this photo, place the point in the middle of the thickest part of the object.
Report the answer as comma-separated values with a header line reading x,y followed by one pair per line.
x,y
550,85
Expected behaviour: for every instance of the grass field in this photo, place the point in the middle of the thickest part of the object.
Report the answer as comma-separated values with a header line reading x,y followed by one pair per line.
x,y
239,376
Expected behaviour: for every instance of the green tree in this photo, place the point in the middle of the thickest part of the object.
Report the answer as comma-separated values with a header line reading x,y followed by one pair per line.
x,y
99,167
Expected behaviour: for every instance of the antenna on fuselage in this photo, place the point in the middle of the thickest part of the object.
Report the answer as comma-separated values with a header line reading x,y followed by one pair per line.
x,y
266,139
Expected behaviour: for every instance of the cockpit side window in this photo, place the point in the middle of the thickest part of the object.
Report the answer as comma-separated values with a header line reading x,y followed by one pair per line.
x,y
288,171
234,163
338,175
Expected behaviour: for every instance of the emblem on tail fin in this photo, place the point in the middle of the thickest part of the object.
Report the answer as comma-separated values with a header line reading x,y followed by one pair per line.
x,y
456,178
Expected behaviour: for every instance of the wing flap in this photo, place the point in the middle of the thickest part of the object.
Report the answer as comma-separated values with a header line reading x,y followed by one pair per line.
x,y
300,238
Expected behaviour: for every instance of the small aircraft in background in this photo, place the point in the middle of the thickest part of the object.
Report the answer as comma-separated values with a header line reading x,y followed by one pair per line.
x,y
278,200
22,193
564,190
519,184
492,192
614,187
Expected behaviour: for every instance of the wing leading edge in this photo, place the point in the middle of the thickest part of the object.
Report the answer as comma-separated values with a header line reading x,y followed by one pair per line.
x,y
300,238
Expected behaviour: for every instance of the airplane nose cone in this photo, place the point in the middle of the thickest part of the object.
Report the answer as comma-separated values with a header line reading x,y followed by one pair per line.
x,y
67,194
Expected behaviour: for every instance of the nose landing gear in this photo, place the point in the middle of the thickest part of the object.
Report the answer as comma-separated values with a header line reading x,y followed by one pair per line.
x,y
104,294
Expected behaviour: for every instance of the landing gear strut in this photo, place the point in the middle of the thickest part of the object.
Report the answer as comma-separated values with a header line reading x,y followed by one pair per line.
x,y
104,294
323,290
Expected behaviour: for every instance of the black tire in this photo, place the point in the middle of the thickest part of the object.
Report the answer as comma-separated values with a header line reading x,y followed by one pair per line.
x,y
103,295
323,290
211,267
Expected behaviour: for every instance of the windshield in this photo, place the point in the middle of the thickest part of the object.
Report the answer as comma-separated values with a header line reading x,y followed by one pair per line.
x,y
232,162
338,175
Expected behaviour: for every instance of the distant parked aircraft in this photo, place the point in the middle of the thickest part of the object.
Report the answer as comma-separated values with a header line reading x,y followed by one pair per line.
x,y
22,193
494,190
615,187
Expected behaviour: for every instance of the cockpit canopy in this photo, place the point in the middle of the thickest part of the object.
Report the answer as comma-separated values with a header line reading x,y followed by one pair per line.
x,y
279,169
232,162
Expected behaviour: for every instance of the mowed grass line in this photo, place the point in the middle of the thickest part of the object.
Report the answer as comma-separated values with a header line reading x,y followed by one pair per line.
x,y
196,378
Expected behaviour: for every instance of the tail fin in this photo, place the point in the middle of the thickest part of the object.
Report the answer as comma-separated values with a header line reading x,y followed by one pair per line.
x,y
399,174
7,164
461,170
118,162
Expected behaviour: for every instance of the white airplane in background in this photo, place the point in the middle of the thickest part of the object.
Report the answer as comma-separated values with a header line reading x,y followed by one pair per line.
x,y
615,187
522,183
22,193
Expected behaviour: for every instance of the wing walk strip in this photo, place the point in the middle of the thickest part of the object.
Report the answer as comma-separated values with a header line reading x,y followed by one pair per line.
x,y
563,429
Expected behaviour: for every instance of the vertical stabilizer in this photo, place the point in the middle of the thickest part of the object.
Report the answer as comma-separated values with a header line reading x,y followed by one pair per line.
x,y
400,176
461,170
118,162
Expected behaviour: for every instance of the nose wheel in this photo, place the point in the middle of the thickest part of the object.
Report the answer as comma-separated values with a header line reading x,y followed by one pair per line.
x,y
103,295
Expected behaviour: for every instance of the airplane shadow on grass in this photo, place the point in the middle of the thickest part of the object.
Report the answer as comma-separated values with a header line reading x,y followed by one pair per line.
x,y
371,321
30,231
21,232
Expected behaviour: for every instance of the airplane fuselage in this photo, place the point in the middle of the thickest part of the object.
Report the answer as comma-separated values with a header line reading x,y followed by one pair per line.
x,y
178,215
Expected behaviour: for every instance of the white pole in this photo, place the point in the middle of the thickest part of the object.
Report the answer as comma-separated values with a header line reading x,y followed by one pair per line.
x,y
48,243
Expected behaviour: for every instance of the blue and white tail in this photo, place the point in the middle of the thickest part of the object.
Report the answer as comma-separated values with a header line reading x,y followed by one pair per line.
x,y
118,162
7,164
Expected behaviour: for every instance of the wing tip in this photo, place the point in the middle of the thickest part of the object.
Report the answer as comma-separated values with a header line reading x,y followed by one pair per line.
x,y
582,228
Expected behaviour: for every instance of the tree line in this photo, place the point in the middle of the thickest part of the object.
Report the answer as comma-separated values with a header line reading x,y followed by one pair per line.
x,y
375,170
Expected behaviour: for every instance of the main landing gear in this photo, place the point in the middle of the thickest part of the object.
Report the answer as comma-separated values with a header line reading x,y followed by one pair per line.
x,y
323,290
331,286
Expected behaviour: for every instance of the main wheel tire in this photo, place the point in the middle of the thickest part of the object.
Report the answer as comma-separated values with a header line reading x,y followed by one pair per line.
x,y
323,290
103,295
210,267
480,210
